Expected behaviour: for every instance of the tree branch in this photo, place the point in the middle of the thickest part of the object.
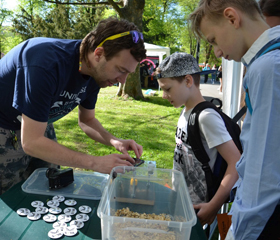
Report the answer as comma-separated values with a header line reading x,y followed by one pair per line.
x,y
116,7
82,3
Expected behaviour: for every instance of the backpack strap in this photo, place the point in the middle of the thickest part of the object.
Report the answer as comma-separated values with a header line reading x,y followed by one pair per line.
x,y
238,115
247,97
219,102
194,132
195,142
271,48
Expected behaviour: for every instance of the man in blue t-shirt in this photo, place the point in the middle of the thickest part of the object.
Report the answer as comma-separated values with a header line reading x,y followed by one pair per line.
x,y
43,79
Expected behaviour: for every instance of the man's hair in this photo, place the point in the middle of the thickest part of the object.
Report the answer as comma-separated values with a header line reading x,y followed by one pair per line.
x,y
214,9
270,7
107,28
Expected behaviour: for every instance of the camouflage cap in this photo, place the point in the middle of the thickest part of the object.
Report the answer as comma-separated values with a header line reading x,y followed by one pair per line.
x,y
179,64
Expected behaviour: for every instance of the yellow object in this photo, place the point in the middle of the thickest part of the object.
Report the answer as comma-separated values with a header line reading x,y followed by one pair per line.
x,y
114,37
132,180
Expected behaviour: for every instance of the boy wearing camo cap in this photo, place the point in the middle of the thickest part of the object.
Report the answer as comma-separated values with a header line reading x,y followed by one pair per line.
x,y
179,78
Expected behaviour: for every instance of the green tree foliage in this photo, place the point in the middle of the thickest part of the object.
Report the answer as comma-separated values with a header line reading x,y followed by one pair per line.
x,y
162,23
165,22
4,15
8,39
188,40
36,18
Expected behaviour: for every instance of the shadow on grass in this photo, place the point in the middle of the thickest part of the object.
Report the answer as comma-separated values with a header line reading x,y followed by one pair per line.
x,y
157,100
163,102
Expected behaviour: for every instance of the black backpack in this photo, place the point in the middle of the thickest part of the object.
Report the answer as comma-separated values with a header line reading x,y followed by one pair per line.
x,y
213,179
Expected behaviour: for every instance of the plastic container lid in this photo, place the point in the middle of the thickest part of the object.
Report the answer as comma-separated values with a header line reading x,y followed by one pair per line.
x,y
86,185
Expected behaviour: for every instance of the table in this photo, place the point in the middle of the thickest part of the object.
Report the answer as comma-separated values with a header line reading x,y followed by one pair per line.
x,y
15,227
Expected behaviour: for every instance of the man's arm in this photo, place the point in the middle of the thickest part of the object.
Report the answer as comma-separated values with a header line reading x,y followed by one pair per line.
x,y
34,143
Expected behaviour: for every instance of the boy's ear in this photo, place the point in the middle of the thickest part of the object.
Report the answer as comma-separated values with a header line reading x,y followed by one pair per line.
x,y
233,17
189,80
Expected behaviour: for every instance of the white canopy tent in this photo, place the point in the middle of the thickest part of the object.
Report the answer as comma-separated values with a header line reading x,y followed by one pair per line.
x,y
156,51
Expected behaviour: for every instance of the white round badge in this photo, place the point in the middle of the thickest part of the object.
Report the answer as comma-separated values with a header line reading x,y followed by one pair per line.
x,y
64,218
55,210
85,209
55,234
77,223
49,218
53,203
82,217
33,216
59,224
58,198
70,202
70,231
41,210
23,211
70,211
37,204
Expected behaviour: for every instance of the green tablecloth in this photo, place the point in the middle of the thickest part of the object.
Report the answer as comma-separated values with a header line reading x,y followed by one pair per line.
x,y
15,227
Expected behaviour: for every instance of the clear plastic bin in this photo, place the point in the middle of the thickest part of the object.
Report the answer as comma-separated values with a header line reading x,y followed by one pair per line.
x,y
146,190
86,185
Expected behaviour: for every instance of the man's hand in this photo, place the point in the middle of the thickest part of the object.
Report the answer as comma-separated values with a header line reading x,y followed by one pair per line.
x,y
124,146
106,163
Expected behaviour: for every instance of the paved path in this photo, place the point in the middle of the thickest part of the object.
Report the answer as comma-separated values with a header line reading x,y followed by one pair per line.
x,y
209,90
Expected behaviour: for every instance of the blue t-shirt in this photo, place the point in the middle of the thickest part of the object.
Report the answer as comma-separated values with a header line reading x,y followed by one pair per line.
x,y
40,78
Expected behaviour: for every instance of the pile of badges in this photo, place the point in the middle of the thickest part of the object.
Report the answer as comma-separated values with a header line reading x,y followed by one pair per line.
x,y
58,216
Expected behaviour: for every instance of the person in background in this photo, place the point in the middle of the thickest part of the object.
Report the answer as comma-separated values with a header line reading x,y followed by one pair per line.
x,y
238,31
271,11
206,68
43,79
214,74
179,79
143,73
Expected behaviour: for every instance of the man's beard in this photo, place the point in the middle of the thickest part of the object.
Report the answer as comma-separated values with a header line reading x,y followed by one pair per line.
x,y
98,75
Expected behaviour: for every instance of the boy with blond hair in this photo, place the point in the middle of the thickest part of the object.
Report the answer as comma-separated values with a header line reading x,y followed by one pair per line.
x,y
179,78
238,31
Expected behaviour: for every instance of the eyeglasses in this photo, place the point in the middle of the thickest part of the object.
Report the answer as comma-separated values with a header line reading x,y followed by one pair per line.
x,y
136,36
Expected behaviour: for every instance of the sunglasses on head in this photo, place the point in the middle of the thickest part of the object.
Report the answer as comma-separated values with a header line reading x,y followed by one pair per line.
x,y
136,36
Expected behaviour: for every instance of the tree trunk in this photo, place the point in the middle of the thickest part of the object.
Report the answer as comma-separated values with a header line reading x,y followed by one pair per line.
x,y
132,87
133,12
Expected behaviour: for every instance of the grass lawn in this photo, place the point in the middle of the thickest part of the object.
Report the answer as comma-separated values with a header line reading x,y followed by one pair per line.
x,y
151,123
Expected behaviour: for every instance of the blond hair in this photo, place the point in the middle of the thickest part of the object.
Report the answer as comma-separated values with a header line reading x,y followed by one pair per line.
x,y
214,9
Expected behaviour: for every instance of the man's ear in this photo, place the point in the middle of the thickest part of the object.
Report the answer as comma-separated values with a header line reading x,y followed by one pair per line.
x,y
233,17
98,53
